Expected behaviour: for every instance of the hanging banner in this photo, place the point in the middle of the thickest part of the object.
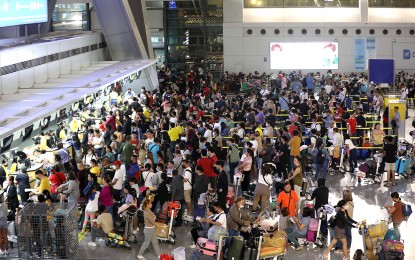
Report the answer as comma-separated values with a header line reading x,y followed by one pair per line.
x,y
359,53
371,47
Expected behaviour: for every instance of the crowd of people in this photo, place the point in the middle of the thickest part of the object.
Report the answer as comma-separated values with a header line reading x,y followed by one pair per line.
x,y
191,137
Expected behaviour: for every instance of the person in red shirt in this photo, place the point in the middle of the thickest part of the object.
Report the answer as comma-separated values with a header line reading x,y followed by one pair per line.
x,y
207,164
212,155
102,124
292,128
339,112
111,121
351,124
56,178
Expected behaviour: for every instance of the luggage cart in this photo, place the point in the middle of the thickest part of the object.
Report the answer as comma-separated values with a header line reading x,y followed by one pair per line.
x,y
171,236
281,256
124,236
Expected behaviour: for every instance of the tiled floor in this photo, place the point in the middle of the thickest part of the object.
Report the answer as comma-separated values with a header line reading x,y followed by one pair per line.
x,y
369,204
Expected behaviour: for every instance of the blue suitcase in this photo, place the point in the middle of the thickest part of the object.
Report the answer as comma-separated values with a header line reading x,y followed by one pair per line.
x,y
400,166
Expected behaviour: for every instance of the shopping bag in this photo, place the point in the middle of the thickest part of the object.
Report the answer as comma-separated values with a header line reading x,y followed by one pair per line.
x,y
179,253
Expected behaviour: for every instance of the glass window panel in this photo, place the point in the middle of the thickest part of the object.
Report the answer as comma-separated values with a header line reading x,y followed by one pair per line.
x,y
392,3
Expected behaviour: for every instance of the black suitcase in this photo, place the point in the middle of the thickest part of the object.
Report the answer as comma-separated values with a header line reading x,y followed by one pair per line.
x,y
236,248
304,187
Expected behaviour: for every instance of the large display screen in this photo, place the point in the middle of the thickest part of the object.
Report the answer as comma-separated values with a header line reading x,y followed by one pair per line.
x,y
304,55
16,12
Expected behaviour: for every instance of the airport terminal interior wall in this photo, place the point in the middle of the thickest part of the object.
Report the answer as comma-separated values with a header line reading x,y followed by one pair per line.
x,y
249,52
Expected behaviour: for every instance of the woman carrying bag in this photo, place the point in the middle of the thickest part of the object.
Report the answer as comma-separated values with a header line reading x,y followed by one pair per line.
x,y
342,220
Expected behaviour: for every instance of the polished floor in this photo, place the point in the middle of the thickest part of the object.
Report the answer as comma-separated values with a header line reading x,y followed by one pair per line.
x,y
369,202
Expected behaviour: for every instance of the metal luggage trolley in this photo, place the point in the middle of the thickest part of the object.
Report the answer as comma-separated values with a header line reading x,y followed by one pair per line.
x,y
129,216
259,241
170,237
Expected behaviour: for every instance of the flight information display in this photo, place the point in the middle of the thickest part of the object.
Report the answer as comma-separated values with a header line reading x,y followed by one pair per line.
x,y
17,12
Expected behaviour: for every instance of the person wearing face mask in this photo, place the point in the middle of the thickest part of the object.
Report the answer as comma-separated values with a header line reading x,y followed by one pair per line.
x,y
237,218
342,220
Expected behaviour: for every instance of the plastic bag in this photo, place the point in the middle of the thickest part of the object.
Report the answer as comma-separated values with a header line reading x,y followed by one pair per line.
x,y
215,232
179,253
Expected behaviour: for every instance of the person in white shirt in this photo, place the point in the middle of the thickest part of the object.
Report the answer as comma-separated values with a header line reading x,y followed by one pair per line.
x,y
187,179
316,125
328,88
330,132
208,134
98,143
148,175
254,143
219,220
304,95
352,153
117,180
262,189
337,138
404,91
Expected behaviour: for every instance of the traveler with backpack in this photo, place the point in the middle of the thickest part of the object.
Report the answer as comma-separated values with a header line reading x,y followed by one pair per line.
x,y
321,158
395,211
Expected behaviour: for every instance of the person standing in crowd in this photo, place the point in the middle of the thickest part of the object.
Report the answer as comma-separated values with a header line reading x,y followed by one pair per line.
x,y
245,165
296,178
150,235
342,220
321,159
207,164
321,197
262,190
92,192
187,186
222,182
70,189
12,194
389,153
4,242
234,158
348,197
395,211
294,145
352,153
23,183
177,194
117,180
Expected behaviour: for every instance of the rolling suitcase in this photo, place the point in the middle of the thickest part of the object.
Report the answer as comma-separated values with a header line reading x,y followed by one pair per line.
x,y
390,256
304,187
206,247
400,166
236,248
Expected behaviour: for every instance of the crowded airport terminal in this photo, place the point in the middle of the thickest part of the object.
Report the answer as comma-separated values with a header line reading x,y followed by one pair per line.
x,y
207,129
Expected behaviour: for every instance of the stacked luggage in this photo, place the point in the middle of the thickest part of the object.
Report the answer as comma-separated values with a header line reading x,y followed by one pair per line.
x,y
373,236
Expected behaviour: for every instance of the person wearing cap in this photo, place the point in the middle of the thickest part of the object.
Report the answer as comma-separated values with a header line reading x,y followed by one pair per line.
x,y
23,183
44,183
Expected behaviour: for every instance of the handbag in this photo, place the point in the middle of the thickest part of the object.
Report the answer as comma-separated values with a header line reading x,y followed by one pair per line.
x,y
285,211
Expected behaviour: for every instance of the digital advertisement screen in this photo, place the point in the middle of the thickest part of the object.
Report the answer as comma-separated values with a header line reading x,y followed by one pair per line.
x,y
27,132
304,55
45,123
16,12
6,143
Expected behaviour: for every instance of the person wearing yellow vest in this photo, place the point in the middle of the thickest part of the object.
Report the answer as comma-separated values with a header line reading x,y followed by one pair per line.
x,y
174,134
43,142
44,182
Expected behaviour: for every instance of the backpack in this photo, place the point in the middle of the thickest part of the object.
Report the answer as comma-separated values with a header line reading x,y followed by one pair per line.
x,y
320,157
406,210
